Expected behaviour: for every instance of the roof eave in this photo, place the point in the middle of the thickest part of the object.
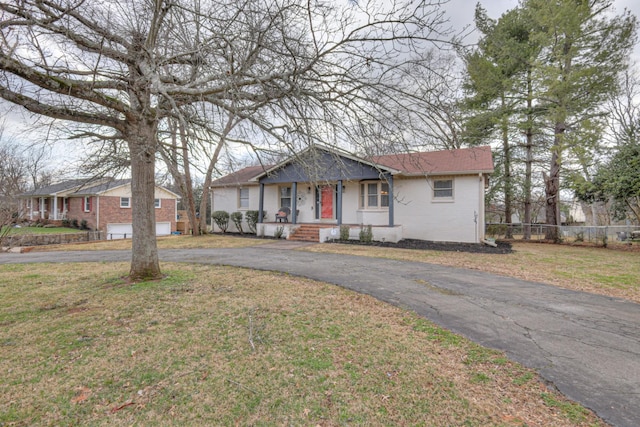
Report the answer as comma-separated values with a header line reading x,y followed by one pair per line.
x,y
448,173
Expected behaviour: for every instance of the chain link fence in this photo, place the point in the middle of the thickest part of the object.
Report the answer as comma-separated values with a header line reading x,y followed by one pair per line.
x,y
593,235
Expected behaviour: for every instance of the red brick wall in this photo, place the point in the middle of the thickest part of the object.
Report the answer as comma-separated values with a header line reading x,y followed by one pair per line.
x,y
76,211
111,212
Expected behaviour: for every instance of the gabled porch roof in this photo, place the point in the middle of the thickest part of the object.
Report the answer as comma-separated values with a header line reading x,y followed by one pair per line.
x,y
322,164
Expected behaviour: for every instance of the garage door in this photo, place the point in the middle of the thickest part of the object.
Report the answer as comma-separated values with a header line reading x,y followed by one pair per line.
x,y
119,231
125,231
163,228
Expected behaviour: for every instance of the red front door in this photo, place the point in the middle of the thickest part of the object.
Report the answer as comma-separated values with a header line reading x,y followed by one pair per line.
x,y
326,201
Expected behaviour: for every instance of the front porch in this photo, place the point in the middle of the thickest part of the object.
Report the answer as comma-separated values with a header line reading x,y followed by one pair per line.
x,y
53,208
322,232
327,188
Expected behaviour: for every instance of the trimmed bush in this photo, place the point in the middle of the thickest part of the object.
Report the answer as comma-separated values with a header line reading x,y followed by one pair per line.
x,y
236,217
252,219
344,232
366,234
221,218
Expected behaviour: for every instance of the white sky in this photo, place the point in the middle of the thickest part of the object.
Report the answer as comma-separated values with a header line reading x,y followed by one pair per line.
x,y
461,13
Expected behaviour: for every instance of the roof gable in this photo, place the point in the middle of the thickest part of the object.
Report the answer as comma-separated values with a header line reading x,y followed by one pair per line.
x,y
318,164
102,187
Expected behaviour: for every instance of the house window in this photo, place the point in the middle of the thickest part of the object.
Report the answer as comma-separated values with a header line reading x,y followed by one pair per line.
x,y
243,198
125,202
285,197
374,195
443,189
157,204
87,204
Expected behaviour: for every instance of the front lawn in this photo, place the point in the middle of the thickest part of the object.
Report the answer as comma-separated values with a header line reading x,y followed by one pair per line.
x,y
211,345
42,230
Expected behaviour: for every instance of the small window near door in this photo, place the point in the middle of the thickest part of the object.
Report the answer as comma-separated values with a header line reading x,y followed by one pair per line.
x,y
125,202
374,195
443,189
157,204
243,198
285,197
87,204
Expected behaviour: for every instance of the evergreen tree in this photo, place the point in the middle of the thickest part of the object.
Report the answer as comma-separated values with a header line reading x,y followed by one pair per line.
x,y
584,50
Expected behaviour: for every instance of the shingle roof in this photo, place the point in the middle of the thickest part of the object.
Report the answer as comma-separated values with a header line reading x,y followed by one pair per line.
x,y
446,162
60,187
240,177
101,187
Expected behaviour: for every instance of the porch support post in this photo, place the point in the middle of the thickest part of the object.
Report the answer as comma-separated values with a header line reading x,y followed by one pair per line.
x,y
339,203
261,203
294,202
55,206
41,207
390,181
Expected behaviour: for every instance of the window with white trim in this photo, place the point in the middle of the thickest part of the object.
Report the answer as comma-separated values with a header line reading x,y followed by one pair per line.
x,y
443,189
157,204
243,198
374,195
125,202
285,197
87,204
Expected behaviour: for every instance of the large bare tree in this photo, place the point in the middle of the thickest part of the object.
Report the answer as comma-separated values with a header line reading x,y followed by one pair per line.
x,y
294,71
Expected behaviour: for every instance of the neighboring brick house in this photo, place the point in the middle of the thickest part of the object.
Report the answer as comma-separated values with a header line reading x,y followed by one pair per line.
x,y
105,205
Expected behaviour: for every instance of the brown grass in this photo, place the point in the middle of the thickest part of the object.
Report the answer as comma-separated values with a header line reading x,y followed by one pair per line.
x,y
167,242
223,346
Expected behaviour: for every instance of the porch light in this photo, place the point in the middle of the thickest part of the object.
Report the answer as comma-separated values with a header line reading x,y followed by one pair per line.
x,y
309,190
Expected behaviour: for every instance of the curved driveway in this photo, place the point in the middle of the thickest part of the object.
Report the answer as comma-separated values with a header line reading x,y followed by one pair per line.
x,y
588,346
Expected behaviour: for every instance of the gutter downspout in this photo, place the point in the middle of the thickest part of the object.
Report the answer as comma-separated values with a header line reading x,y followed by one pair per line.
x,y
261,204
391,209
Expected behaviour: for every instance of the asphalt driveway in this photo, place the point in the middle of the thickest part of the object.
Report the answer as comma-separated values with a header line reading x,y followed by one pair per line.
x,y
587,345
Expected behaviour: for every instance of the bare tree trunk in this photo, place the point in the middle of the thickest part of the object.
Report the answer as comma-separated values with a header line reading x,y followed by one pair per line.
x,y
529,160
188,183
508,184
231,122
144,252
552,189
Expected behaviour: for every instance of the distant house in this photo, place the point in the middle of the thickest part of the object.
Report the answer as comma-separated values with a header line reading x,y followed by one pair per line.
x,y
105,205
436,196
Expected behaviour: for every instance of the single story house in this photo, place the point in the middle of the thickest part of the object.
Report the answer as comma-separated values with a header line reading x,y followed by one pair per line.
x,y
436,196
104,204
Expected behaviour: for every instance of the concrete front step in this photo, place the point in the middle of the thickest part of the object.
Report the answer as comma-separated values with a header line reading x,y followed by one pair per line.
x,y
308,233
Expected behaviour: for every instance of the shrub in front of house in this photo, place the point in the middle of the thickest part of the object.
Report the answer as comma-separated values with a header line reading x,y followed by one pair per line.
x,y
252,219
366,233
344,232
221,218
236,217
